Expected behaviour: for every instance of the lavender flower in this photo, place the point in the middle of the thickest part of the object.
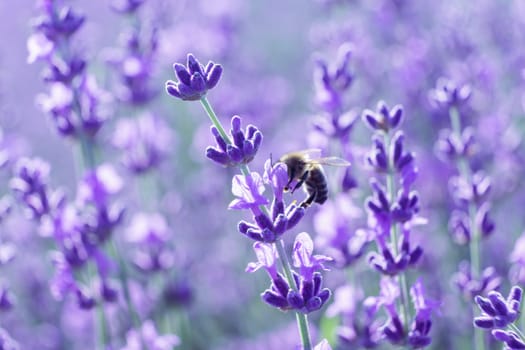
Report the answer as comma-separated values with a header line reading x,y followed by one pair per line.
x,y
333,222
144,142
470,286
331,82
242,151
498,312
309,295
194,80
250,189
30,184
499,315
99,215
358,327
147,336
418,335
150,233
448,94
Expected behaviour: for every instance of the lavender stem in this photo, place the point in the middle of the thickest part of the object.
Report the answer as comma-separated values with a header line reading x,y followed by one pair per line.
x,y
391,190
475,263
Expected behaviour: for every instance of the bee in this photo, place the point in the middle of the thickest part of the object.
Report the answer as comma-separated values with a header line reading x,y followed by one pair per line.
x,y
305,167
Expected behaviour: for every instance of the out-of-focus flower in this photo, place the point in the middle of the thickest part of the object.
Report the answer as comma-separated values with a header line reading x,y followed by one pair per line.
x,y
194,80
517,258
447,93
147,336
242,151
470,287
150,232
335,234
332,81
144,142
58,24
39,47
384,118
6,342
30,184
94,195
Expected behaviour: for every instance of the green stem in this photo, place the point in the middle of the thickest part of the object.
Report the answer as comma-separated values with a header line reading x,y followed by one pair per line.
x,y
123,276
402,280
403,285
474,244
302,320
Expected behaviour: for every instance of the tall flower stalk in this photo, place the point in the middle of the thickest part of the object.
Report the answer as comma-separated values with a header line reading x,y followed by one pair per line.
x,y
393,209
300,291
470,221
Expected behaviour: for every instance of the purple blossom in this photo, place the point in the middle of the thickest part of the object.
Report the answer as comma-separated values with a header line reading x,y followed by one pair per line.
x,y
470,287
243,149
307,294
268,229
144,142
498,312
30,184
418,336
150,233
510,338
249,189
147,336
517,258
304,259
194,80
333,223
331,82
57,24
7,298
447,93
384,118
266,258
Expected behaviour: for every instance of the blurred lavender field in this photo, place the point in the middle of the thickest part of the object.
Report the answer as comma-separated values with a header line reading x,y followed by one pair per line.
x,y
126,224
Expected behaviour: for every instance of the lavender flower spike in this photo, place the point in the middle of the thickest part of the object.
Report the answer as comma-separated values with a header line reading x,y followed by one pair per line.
x,y
244,147
498,312
194,80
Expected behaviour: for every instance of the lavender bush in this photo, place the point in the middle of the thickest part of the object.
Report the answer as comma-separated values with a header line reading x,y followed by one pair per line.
x,y
144,205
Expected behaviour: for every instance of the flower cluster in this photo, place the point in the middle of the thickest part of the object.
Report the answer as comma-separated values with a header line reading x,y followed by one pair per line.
x,y
250,189
417,336
144,142
470,221
389,207
307,295
499,314
243,149
76,104
194,80
393,211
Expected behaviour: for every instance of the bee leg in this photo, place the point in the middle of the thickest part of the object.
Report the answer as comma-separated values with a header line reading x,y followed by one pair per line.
x,y
301,181
309,200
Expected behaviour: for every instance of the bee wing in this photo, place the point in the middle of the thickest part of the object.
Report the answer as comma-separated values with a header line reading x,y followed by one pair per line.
x,y
310,153
333,161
